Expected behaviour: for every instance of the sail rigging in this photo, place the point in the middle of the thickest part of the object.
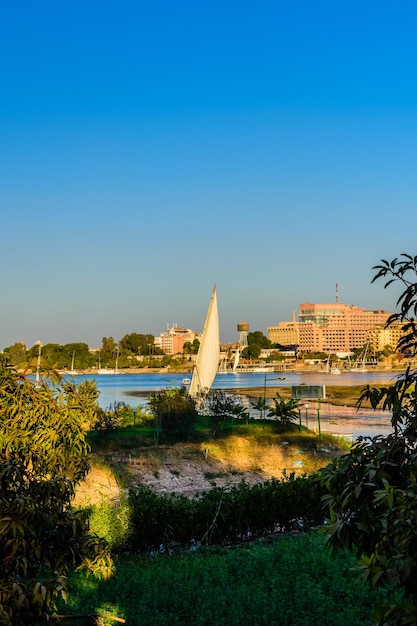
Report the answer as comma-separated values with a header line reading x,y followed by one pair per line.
x,y
207,361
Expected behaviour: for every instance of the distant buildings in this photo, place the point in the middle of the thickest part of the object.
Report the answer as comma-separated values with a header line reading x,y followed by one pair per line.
x,y
285,334
336,327
329,328
173,339
333,328
379,338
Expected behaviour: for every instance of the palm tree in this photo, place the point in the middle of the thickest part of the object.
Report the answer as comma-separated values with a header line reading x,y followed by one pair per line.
x,y
261,406
239,412
286,411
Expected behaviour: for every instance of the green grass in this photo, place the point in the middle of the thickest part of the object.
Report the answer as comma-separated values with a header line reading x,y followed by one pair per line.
x,y
290,581
262,431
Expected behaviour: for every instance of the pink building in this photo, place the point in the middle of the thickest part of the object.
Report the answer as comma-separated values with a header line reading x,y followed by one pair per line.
x,y
336,327
173,340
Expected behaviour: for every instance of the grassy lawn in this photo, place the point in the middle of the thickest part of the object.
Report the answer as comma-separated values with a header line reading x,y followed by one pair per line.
x,y
286,581
268,432
290,580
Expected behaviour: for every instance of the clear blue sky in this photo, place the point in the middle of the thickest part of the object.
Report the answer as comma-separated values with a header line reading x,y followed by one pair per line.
x,y
149,150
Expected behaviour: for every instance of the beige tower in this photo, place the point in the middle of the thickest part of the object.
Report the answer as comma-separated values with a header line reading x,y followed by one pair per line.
x,y
243,330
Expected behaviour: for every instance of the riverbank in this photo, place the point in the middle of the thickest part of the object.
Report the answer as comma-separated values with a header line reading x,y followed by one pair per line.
x,y
336,395
92,371
300,368
251,453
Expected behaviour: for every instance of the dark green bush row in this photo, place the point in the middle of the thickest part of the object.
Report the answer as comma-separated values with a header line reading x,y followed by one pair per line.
x,y
223,516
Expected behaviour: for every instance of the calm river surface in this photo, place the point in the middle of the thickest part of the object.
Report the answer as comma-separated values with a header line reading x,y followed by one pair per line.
x,y
133,388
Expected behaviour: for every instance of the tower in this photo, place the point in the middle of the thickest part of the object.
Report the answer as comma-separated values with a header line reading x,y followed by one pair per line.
x,y
243,330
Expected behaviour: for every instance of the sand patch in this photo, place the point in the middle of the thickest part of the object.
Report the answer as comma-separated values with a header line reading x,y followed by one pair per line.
x,y
99,485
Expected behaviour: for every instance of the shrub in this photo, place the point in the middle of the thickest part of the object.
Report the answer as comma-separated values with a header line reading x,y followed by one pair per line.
x,y
371,500
175,413
110,521
43,456
220,516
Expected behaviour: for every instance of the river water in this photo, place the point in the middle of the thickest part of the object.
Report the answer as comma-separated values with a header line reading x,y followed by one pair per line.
x,y
347,421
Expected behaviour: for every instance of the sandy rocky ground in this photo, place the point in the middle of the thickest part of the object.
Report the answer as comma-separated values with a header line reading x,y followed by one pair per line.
x,y
189,470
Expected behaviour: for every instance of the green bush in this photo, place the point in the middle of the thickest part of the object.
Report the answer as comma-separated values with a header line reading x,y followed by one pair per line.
x,y
175,414
110,522
43,458
220,516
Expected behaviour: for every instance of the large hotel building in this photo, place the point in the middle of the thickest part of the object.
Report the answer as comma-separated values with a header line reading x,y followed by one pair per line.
x,y
172,341
329,328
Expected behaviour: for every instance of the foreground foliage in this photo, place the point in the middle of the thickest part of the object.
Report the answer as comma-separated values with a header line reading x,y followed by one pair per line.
x,y
293,581
43,456
175,414
222,516
372,491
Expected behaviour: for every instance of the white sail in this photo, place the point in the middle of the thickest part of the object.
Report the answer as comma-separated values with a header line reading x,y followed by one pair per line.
x,y
237,358
208,355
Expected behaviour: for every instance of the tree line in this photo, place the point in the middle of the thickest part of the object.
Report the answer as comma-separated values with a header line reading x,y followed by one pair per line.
x,y
133,349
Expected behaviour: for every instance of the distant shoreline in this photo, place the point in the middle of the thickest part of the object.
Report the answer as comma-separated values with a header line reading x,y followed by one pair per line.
x,y
134,370
304,369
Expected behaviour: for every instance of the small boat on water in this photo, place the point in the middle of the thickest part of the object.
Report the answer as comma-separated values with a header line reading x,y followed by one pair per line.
x,y
186,382
360,363
332,369
103,370
245,367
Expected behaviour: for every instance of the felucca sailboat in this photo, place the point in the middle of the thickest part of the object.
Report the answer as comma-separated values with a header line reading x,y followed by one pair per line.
x,y
208,355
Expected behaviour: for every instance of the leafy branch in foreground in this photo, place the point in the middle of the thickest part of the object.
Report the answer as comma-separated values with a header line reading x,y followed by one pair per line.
x,y
372,491
43,456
